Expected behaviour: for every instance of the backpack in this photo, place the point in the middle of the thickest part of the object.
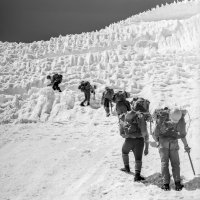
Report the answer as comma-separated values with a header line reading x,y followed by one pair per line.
x,y
120,96
167,128
57,78
108,94
130,123
122,107
140,104
85,85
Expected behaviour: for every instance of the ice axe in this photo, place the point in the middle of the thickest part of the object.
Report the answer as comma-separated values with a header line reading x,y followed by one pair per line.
x,y
191,162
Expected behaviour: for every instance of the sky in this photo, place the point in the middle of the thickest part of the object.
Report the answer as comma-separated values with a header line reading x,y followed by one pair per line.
x,y
34,20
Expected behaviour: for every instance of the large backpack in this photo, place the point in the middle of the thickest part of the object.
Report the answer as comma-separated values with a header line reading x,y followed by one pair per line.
x,y
85,85
140,104
122,107
57,78
120,96
166,127
108,94
130,123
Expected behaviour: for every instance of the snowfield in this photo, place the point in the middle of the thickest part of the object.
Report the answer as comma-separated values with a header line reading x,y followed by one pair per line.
x,y
53,149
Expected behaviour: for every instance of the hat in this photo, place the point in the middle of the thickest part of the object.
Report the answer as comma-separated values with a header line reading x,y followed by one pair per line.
x,y
175,115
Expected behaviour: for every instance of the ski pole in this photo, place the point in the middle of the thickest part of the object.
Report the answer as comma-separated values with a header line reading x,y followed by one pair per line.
x,y
191,162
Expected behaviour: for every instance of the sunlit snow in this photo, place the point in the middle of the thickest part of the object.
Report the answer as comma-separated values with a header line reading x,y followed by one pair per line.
x,y
51,148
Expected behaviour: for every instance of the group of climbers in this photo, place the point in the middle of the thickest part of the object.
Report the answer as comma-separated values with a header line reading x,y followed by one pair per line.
x,y
133,117
170,126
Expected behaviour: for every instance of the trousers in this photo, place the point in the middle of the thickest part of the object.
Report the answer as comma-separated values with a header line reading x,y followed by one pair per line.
x,y
137,147
168,151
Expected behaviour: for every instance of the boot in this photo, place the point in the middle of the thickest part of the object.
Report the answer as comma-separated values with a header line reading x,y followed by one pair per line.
x,y
138,177
107,114
126,169
165,187
88,103
178,186
82,104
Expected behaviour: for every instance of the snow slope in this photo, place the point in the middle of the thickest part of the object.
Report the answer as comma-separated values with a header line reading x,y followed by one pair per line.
x,y
76,153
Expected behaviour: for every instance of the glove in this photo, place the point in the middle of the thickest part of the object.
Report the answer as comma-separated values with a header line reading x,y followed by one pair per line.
x,y
187,149
146,151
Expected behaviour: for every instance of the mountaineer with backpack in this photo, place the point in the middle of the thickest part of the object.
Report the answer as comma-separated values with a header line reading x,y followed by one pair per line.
x,y
106,100
134,129
86,88
56,79
170,126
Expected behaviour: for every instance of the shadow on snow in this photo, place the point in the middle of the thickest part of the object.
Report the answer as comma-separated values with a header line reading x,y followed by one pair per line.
x,y
156,179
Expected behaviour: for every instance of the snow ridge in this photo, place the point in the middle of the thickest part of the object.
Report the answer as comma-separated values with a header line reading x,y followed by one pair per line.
x,y
76,153
124,55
